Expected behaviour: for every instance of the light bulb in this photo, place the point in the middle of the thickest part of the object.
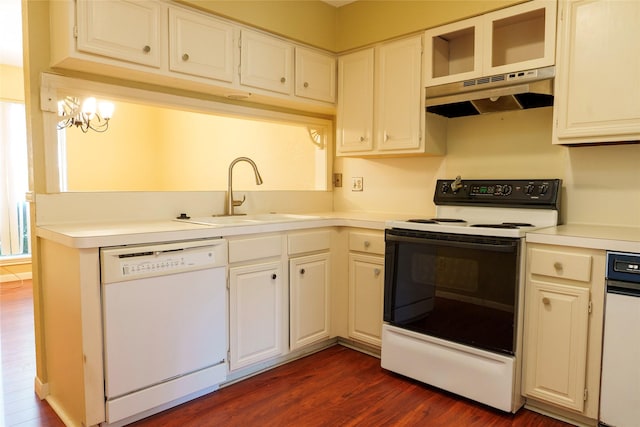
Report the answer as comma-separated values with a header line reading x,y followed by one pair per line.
x,y
105,109
89,107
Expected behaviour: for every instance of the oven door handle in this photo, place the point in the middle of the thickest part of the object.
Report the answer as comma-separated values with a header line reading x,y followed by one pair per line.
x,y
495,247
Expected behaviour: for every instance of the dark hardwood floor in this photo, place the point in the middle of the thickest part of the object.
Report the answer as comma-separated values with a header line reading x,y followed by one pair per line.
x,y
335,387
19,405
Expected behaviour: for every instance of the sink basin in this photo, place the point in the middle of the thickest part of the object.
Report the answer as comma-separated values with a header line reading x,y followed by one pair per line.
x,y
248,219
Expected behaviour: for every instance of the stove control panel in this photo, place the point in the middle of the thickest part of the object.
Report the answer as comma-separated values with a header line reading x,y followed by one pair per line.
x,y
529,193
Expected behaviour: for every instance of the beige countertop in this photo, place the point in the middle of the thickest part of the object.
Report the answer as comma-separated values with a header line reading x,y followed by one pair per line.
x,y
101,234
613,238
93,235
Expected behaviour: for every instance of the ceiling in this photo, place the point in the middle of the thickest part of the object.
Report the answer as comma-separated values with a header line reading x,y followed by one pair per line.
x,y
10,33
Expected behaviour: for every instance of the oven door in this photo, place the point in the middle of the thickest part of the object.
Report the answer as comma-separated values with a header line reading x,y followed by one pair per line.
x,y
457,287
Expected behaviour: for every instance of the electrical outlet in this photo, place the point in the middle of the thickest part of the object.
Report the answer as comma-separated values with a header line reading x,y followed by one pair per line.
x,y
337,180
357,183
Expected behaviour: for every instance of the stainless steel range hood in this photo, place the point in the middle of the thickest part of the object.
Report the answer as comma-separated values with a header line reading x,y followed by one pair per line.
x,y
502,92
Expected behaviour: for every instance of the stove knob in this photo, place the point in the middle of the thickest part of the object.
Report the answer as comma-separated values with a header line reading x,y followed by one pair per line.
x,y
543,189
444,188
528,189
506,190
457,184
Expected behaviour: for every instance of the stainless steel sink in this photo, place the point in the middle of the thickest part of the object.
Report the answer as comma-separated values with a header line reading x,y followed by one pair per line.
x,y
254,219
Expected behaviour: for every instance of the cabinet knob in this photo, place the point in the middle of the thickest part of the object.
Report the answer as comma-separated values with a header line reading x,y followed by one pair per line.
x,y
306,84
282,80
185,57
376,272
146,49
302,271
367,243
557,266
546,301
362,138
274,276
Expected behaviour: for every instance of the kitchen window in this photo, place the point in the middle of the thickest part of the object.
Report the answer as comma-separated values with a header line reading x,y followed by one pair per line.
x,y
14,211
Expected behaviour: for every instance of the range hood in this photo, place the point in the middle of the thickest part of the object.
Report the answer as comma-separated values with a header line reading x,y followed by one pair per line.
x,y
503,92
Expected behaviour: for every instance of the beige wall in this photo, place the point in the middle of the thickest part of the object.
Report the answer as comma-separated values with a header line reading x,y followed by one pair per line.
x,y
159,149
351,26
11,83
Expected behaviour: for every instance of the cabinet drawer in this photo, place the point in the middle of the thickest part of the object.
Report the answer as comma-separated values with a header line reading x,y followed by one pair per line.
x,y
366,242
309,242
254,248
561,264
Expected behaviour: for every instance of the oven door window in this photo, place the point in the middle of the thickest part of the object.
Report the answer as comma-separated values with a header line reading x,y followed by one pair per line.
x,y
457,287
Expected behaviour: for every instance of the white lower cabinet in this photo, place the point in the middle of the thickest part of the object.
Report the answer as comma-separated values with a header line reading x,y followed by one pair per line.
x,y
257,300
309,299
309,273
366,293
564,305
255,305
366,286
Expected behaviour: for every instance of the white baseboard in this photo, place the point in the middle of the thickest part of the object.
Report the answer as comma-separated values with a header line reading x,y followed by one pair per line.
x,y
41,389
15,277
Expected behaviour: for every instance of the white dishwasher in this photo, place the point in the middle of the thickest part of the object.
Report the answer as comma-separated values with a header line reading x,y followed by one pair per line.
x,y
620,385
164,325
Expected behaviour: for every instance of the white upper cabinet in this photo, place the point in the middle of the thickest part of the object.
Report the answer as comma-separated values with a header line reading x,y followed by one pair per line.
x,y
453,52
381,103
355,102
121,29
200,45
400,101
315,75
266,62
597,85
517,38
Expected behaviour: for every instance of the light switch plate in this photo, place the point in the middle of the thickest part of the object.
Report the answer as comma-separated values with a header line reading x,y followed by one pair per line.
x,y
357,183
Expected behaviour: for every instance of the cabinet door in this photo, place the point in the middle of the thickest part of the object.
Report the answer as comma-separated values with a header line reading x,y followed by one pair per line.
x,y
399,103
255,313
315,75
453,52
309,299
519,38
355,102
366,293
121,29
266,62
200,45
597,90
555,343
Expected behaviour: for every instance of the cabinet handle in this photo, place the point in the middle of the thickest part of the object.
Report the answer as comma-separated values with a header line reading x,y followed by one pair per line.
x,y
367,243
282,80
185,57
302,271
546,301
146,49
306,84
386,137
557,266
274,276
376,272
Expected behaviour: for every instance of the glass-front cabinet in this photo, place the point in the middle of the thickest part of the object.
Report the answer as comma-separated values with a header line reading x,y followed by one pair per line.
x,y
517,38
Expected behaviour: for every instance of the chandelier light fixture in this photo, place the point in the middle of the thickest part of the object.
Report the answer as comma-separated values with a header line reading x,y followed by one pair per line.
x,y
89,114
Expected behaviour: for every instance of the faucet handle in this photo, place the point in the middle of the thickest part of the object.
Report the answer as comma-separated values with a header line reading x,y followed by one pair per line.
x,y
239,202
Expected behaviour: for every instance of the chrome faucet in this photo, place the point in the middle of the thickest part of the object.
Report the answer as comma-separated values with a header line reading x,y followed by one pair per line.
x,y
233,203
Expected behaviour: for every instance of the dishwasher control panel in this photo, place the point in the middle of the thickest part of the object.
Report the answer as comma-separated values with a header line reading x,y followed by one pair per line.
x,y
134,262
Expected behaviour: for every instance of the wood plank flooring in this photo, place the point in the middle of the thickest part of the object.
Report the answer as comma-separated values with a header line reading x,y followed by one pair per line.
x,y
19,405
335,387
